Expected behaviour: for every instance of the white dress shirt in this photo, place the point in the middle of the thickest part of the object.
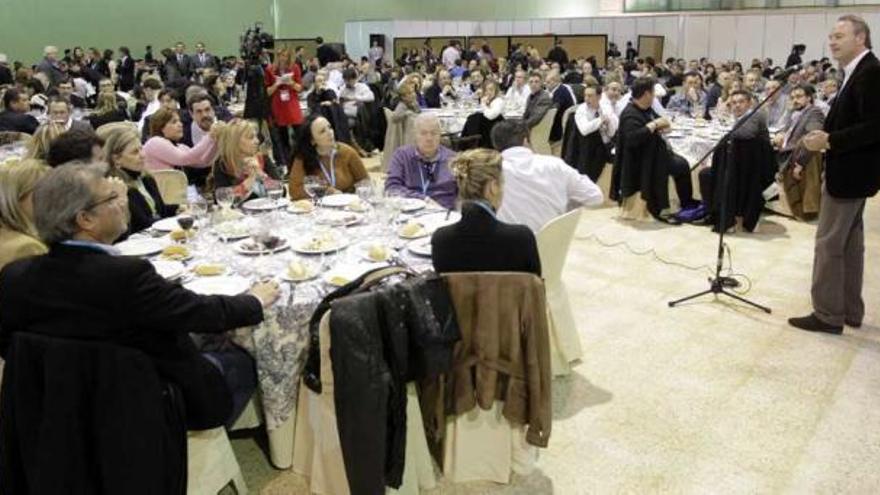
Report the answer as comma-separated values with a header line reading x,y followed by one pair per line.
x,y
359,93
539,188
614,107
588,121
494,109
449,56
152,107
517,97
850,67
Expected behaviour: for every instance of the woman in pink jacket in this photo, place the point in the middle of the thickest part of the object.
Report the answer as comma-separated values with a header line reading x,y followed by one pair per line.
x,y
162,150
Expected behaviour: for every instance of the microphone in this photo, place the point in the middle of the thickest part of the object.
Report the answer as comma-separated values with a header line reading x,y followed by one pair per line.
x,y
782,76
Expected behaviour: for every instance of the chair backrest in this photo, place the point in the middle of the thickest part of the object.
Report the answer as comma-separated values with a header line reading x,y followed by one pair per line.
x,y
554,239
393,136
570,110
539,137
172,186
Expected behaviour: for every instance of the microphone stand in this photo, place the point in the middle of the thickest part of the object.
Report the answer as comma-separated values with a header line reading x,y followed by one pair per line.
x,y
719,283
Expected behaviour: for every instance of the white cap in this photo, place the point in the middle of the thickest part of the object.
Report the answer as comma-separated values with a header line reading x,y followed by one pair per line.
x,y
3,58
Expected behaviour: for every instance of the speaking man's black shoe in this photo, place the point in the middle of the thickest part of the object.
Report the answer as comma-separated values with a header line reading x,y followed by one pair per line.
x,y
812,324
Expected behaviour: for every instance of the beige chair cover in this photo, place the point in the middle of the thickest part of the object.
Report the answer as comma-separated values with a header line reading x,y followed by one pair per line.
x,y
172,186
211,463
539,137
554,240
317,453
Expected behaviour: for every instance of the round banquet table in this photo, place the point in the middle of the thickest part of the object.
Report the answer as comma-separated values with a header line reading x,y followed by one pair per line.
x,y
279,344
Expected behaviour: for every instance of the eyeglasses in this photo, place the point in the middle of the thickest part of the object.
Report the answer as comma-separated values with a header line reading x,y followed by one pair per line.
x,y
109,199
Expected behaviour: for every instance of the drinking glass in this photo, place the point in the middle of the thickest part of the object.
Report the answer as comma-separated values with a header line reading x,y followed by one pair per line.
x,y
225,197
275,191
310,184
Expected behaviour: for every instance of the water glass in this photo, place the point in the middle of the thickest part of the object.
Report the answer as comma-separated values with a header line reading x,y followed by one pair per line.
x,y
225,197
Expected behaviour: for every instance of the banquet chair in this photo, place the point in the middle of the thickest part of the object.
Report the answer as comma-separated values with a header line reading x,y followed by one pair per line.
x,y
211,463
554,240
317,453
539,136
470,430
397,134
803,197
172,185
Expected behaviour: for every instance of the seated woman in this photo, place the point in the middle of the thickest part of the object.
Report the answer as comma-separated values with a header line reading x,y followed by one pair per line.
x,y
162,150
38,146
18,235
241,165
318,154
122,152
490,113
324,101
479,241
106,111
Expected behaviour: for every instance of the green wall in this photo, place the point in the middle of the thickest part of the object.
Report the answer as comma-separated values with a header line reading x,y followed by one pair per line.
x,y
29,25
302,19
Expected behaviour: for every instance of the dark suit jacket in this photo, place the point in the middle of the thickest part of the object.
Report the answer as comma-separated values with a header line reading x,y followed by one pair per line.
x,y
479,242
18,122
812,119
141,216
642,161
115,116
77,292
125,70
5,75
196,63
563,101
537,106
852,165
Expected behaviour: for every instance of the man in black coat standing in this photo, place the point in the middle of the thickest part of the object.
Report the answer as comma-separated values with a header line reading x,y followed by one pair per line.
x,y
851,143
125,70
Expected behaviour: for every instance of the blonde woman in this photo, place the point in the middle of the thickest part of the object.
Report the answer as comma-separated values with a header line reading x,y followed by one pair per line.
x,y
106,111
124,154
38,146
18,236
240,163
479,241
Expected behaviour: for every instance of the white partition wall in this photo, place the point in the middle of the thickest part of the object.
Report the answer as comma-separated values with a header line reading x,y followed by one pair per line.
x,y
719,36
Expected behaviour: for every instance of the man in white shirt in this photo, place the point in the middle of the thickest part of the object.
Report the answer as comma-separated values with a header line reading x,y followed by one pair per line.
x,y
518,92
353,92
613,100
451,54
376,54
591,116
537,188
151,88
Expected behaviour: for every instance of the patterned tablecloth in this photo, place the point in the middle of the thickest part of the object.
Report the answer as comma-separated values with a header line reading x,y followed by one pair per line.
x,y
279,344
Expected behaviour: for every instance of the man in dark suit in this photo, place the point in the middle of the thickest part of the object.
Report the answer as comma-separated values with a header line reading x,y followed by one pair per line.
x,y
5,73
538,102
851,142
15,117
65,90
125,70
202,60
325,53
563,99
83,290
558,54
59,111
806,118
182,60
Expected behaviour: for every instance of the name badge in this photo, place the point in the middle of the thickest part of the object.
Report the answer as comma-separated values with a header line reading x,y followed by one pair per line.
x,y
285,95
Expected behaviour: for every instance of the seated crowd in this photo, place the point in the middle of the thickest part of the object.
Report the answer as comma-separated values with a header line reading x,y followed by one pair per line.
x,y
98,127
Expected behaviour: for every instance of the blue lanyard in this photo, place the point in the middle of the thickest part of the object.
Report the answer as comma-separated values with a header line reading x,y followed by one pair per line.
x,y
332,175
426,185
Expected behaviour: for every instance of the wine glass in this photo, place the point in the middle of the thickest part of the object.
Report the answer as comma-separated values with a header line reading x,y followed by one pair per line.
x,y
275,191
186,222
225,197
310,184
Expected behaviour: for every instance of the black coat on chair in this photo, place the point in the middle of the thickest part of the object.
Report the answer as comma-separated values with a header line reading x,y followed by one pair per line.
x,y
478,125
753,170
588,154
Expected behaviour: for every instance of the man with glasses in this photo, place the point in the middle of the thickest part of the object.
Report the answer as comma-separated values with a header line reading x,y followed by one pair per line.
x,y
422,170
82,289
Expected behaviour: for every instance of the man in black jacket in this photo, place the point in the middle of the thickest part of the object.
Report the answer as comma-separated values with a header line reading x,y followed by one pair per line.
x,y
644,161
558,54
851,143
15,118
83,290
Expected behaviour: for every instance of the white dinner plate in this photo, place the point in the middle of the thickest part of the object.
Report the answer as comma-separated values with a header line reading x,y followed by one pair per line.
x,y
232,231
338,200
335,218
410,204
297,207
433,221
421,248
224,285
264,204
241,247
305,245
169,270
422,232
166,224
311,272
364,250
141,247
343,274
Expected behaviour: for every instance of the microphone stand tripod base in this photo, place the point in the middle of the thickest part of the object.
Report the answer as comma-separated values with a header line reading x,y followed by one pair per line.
x,y
717,286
